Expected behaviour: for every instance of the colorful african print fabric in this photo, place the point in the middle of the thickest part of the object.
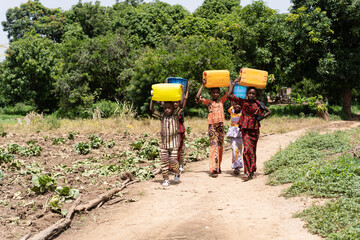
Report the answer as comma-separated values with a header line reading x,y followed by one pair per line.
x,y
169,157
216,135
170,137
216,109
236,146
250,138
250,109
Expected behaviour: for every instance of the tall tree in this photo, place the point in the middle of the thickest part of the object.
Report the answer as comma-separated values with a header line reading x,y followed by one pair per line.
x,y
94,68
93,18
185,57
326,37
148,21
28,72
34,17
215,8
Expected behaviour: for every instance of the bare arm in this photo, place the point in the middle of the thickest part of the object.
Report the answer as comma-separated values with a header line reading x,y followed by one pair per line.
x,y
267,112
152,106
231,87
198,95
186,96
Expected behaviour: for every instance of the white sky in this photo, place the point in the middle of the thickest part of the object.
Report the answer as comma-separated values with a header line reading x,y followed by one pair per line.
x,y
281,5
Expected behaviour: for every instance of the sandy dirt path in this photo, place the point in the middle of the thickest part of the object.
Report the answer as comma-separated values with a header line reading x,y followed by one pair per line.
x,y
201,207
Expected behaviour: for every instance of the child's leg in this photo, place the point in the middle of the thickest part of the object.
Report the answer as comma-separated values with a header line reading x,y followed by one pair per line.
x,y
220,133
174,161
213,156
164,155
236,145
181,150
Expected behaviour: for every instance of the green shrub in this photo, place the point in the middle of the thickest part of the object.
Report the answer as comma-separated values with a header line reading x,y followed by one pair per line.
x,y
19,109
43,183
83,148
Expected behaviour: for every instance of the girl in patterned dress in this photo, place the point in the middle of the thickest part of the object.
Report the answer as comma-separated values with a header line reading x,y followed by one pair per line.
x,y
170,139
234,134
253,112
216,120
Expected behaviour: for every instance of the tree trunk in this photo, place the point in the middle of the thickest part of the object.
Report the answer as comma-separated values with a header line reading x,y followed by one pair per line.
x,y
347,101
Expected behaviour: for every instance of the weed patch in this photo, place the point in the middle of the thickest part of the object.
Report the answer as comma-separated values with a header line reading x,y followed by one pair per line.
x,y
321,166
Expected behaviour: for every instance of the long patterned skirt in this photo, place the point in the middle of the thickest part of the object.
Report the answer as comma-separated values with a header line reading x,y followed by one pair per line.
x,y
169,157
250,139
216,135
236,146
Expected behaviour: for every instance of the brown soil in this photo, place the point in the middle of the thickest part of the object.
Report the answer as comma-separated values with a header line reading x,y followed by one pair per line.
x,y
201,207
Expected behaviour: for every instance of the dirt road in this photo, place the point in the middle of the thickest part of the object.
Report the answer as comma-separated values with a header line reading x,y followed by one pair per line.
x,y
201,207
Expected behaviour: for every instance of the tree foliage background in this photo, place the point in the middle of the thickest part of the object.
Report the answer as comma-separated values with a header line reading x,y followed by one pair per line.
x,y
67,61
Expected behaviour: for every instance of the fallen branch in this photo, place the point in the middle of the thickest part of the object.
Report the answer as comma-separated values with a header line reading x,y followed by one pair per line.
x,y
27,236
58,226
104,197
64,223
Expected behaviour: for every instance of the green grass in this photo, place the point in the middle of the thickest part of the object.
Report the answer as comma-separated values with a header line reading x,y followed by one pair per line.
x,y
323,166
9,119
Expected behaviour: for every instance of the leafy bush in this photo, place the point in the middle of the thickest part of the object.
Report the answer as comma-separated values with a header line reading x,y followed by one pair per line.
x,y
83,148
66,193
58,140
5,157
43,183
71,135
96,141
110,144
18,109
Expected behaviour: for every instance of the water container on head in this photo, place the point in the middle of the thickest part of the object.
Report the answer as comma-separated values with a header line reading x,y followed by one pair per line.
x,y
216,78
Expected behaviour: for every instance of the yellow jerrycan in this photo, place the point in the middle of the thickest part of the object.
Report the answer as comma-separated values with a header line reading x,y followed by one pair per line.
x,y
167,92
253,78
216,78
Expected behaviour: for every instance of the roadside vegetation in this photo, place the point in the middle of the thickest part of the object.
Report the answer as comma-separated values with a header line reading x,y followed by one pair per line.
x,y
323,166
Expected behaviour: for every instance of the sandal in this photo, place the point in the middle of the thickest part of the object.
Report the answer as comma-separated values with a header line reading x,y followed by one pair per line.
x,y
246,177
214,175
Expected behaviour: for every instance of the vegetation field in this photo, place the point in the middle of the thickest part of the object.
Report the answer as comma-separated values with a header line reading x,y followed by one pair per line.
x,y
46,162
323,166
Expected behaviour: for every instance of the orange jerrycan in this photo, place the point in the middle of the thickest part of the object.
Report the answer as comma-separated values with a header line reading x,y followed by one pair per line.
x,y
216,78
253,78
167,92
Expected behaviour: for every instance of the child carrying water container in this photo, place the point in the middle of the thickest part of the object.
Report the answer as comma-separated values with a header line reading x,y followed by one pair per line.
x,y
234,134
253,112
170,139
216,120
182,104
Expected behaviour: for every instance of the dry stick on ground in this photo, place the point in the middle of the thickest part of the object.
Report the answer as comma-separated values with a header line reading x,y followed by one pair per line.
x,y
65,222
58,226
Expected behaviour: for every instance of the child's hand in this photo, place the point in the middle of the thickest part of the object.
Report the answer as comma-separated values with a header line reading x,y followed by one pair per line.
x,y
237,80
204,82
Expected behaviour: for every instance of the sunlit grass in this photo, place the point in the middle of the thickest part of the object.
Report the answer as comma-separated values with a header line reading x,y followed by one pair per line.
x,y
132,125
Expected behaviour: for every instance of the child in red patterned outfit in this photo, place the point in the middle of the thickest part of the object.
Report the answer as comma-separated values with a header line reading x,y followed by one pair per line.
x,y
253,112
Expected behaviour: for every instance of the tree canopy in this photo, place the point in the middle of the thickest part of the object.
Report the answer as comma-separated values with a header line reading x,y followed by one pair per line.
x,y
72,59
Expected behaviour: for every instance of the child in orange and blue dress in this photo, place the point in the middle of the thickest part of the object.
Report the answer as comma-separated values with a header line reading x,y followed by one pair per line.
x,y
216,119
170,140
234,134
